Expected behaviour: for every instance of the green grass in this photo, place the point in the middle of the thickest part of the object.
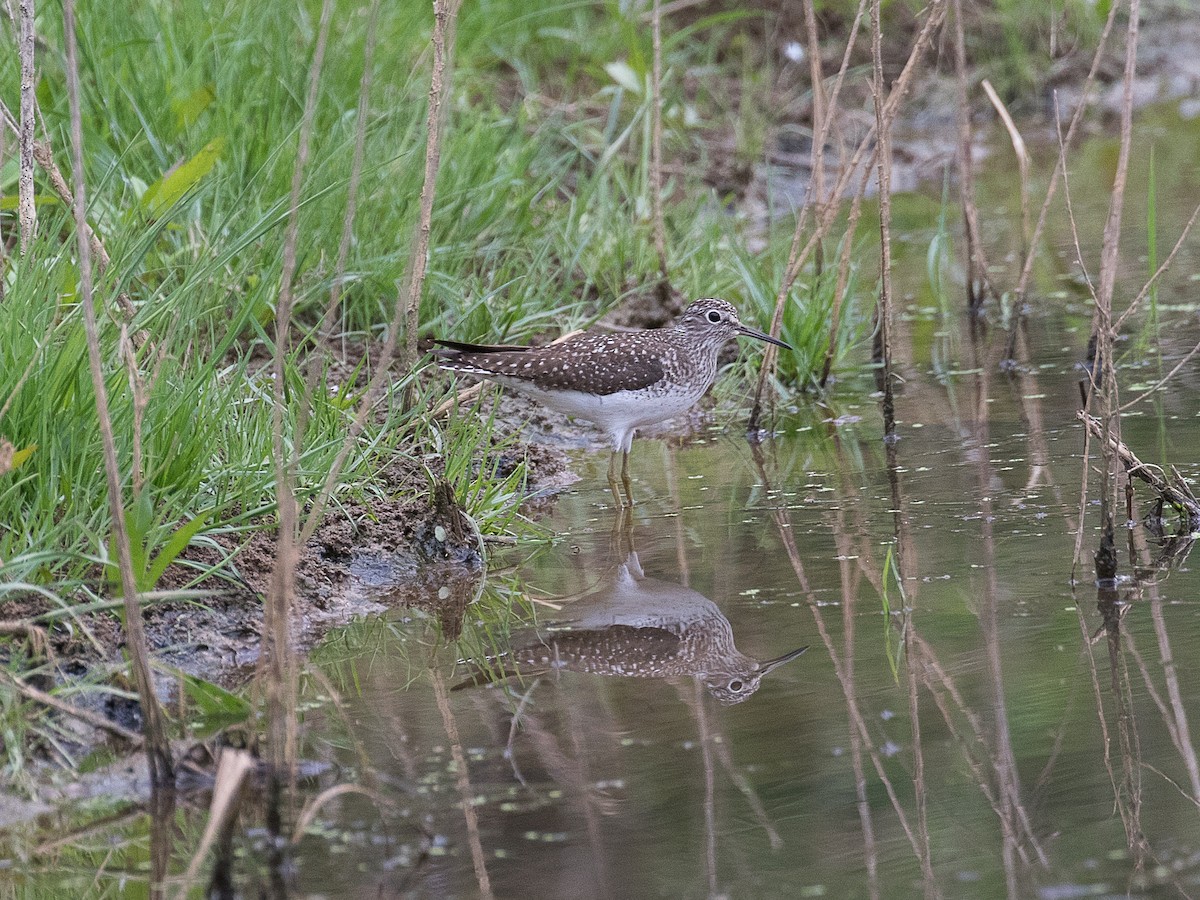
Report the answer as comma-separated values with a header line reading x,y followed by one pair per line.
x,y
190,119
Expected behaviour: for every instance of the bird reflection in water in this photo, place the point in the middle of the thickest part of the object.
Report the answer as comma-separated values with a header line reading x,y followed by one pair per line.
x,y
637,627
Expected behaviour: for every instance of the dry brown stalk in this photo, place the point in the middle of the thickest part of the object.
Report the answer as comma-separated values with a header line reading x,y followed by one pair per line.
x,y
884,311
232,769
843,275
27,210
978,285
445,13
280,665
1018,145
1166,264
1061,167
158,750
656,179
1103,335
404,308
818,99
884,157
798,257
339,269
463,782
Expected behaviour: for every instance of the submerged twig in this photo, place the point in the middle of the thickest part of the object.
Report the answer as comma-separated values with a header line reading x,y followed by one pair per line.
x,y
1179,497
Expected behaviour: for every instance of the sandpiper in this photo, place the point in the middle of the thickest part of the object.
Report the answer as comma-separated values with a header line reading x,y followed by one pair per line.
x,y
617,380
637,627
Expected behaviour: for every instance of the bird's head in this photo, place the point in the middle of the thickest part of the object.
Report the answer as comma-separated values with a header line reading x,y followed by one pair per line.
x,y
715,321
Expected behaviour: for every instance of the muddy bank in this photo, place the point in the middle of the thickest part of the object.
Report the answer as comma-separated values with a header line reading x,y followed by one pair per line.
x,y
411,546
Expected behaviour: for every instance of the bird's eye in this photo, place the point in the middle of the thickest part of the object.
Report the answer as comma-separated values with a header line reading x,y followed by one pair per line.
x,y
714,316
735,685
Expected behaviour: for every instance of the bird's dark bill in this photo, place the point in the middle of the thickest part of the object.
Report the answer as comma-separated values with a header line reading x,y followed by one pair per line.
x,y
762,336
780,660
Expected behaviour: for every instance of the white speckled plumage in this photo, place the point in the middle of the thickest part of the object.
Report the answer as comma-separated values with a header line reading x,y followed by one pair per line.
x,y
618,380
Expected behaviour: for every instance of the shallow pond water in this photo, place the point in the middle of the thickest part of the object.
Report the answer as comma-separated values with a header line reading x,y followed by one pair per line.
x,y
973,716
986,726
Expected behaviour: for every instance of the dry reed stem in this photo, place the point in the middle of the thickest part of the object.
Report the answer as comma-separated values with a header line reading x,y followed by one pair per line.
x,y
1166,264
1083,487
884,311
1103,335
462,778
978,283
313,806
232,769
818,100
1022,154
158,750
26,208
280,686
403,309
884,163
797,257
343,253
1060,168
656,179
444,15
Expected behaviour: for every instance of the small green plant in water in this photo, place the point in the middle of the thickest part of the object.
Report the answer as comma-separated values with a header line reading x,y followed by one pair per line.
x,y
893,649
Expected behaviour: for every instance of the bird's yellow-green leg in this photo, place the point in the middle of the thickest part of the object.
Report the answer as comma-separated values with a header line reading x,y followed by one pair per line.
x,y
626,481
612,480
